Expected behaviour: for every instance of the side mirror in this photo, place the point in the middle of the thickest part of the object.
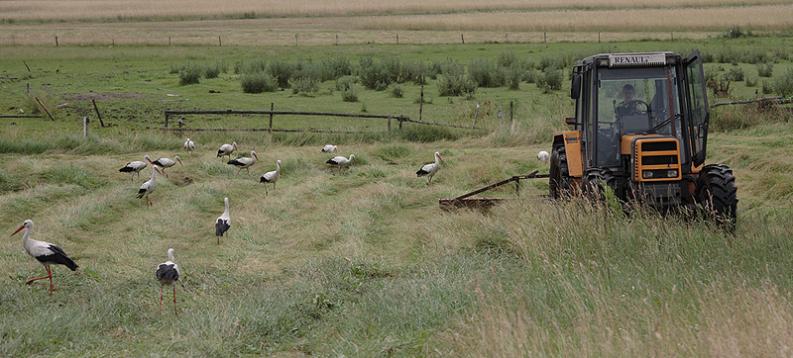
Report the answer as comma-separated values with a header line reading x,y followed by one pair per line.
x,y
575,86
570,121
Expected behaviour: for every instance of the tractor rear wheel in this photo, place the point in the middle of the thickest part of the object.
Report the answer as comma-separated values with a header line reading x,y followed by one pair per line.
x,y
595,182
559,176
717,193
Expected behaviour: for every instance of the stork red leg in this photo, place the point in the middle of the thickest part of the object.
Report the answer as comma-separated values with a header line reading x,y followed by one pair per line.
x,y
174,300
160,297
36,279
49,274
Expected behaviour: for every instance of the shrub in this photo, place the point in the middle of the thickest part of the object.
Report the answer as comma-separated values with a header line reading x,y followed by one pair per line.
x,y
305,85
783,85
513,78
734,74
190,74
345,82
530,76
212,71
507,59
767,87
253,66
751,82
765,69
282,71
549,81
258,82
396,72
335,67
485,73
373,74
416,71
397,92
175,69
349,94
454,82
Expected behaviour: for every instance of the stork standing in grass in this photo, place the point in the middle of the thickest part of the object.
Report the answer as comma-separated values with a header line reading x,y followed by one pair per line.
x,y
168,273
543,156
44,252
134,167
149,185
329,148
189,145
223,222
429,169
340,161
244,162
164,163
272,176
227,149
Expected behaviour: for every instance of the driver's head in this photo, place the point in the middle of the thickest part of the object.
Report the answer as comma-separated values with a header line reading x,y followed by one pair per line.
x,y
628,92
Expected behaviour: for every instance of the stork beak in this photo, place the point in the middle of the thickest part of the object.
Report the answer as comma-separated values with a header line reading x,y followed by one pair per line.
x,y
180,161
18,230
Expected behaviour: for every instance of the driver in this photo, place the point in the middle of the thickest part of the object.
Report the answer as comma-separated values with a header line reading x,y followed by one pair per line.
x,y
628,105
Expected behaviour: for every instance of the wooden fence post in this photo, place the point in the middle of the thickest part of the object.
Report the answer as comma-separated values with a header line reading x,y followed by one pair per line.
x,y
98,115
295,39
421,103
85,126
511,114
169,41
270,128
56,41
545,37
462,38
397,38
476,115
401,119
44,108
220,43
598,36
337,39
389,122
166,119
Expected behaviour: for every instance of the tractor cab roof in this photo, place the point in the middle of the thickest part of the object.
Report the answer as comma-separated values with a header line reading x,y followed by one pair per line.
x,y
636,59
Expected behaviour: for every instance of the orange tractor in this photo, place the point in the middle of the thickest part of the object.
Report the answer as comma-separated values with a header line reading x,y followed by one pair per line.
x,y
641,129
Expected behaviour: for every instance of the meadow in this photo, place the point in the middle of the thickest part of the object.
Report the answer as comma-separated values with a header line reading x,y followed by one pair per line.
x,y
363,262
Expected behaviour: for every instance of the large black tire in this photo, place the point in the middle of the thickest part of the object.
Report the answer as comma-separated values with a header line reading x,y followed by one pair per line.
x,y
595,182
717,193
559,175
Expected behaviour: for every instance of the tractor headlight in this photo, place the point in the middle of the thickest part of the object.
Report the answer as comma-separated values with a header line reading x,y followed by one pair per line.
x,y
647,174
671,173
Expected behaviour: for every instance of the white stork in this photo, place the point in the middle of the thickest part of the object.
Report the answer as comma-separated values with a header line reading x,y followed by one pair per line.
x,y
429,169
340,161
227,149
244,162
272,176
149,185
165,162
44,252
329,148
134,167
543,156
223,222
168,273
189,145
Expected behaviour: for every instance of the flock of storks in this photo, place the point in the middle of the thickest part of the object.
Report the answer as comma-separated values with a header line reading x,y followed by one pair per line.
x,y
167,273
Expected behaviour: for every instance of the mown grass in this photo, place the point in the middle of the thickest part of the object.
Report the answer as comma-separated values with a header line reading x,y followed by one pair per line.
x,y
362,262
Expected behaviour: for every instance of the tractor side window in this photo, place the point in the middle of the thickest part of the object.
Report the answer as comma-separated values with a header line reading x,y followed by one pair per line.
x,y
698,103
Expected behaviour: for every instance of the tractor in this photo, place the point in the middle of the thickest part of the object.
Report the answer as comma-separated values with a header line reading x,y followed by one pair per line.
x,y
641,129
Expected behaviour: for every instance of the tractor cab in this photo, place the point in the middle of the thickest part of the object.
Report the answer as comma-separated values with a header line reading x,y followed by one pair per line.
x,y
640,127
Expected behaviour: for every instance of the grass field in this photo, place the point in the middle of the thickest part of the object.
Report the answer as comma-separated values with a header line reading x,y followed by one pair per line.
x,y
363,262
245,22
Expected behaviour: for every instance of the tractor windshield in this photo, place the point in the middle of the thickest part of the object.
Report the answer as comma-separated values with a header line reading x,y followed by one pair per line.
x,y
635,101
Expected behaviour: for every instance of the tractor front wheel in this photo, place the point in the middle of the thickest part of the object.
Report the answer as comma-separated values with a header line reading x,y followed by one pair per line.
x,y
717,193
595,182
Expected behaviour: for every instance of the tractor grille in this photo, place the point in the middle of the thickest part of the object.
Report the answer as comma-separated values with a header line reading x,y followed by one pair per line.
x,y
659,146
659,160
